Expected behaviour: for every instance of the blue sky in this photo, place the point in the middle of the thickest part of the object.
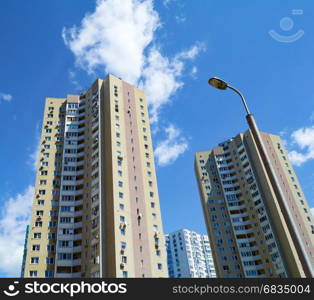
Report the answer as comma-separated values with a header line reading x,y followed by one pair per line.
x,y
178,46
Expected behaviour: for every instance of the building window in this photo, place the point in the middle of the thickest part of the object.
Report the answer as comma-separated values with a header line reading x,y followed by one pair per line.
x,y
36,247
51,236
48,274
159,266
33,273
49,260
38,224
125,274
37,235
52,225
34,260
50,248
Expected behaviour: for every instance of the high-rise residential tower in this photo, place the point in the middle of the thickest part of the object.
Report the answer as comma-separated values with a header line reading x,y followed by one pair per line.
x,y
96,209
248,231
189,255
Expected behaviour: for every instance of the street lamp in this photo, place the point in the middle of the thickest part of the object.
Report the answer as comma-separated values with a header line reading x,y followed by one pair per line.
x,y
302,253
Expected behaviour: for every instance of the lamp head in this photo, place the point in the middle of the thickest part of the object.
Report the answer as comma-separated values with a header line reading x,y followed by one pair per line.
x,y
217,83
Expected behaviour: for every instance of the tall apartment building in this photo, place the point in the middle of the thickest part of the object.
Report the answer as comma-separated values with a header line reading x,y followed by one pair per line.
x,y
96,209
189,255
248,231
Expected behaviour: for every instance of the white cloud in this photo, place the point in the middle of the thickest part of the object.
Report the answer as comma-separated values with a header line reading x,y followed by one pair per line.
x,y
118,38
166,2
194,72
162,76
303,138
160,81
14,217
180,19
73,80
168,150
5,97
114,37
192,52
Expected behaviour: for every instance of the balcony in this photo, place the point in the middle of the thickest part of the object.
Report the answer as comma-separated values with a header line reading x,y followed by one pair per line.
x,y
66,225
80,163
72,193
78,213
68,275
68,262
78,202
67,203
67,213
64,263
76,262
78,225
70,237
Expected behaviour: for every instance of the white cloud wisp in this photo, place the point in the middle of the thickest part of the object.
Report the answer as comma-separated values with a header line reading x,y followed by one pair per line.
x,y
168,150
5,97
14,218
304,139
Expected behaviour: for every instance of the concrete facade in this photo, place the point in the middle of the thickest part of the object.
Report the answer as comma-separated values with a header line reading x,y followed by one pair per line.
x,y
248,230
96,209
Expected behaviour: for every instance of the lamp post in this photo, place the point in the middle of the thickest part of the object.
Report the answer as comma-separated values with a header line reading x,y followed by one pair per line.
x,y
302,253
